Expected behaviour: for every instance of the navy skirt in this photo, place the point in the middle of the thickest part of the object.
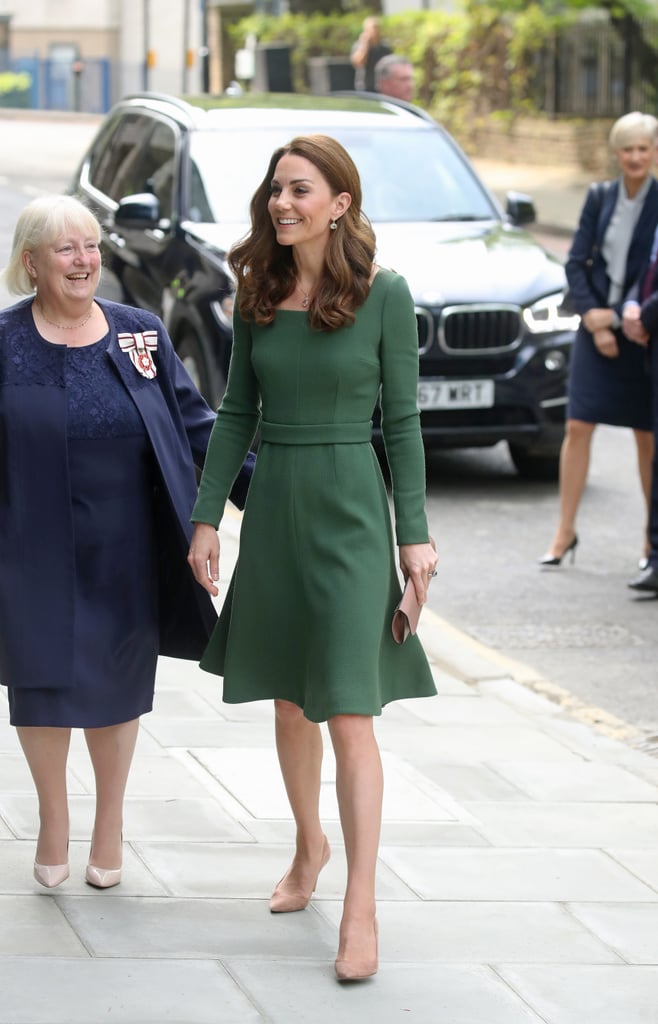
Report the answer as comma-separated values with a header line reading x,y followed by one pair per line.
x,y
614,391
116,612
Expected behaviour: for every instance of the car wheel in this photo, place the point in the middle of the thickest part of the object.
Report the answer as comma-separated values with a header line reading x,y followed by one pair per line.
x,y
535,465
206,376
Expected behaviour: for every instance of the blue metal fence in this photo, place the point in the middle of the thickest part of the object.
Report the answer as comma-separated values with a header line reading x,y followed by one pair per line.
x,y
80,85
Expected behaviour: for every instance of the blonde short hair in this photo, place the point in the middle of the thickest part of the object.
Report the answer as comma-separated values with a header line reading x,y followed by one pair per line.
x,y
40,223
633,127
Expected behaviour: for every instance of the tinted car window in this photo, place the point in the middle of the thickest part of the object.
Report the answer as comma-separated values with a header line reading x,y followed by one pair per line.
x,y
113,164
139,155
424,179
158,167
200,210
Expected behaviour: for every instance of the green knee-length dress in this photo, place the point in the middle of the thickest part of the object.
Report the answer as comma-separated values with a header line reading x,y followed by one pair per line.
x,y
307,617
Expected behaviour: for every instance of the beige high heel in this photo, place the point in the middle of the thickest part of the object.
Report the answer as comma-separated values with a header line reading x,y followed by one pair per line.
x,y
288,900
102,878
356,968
51,875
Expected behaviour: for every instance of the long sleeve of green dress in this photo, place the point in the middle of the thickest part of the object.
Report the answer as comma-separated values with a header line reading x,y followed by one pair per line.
x,y
234,429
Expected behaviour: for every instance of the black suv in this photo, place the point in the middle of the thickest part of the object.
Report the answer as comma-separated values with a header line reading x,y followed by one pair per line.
x,y
171,181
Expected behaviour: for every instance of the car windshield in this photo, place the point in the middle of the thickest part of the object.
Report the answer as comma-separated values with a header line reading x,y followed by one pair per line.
x,y
406,175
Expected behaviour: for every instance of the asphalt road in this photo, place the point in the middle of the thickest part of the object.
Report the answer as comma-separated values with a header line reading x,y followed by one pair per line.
x,y
579,626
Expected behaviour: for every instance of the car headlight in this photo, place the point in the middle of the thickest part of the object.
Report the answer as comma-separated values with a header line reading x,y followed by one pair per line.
x,y
547,316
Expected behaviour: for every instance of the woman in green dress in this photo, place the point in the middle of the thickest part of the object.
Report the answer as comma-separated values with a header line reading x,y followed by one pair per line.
x,y
319,331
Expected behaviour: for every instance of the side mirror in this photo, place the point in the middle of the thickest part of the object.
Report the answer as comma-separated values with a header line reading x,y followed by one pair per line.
x,y
139,211
520,208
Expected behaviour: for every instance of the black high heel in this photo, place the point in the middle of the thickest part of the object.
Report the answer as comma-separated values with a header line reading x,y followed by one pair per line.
x,y
557,559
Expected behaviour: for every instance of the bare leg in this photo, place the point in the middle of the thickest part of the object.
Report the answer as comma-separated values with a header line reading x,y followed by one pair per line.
x,y
46,751
360,789
299,746
645,450
574,466
111,750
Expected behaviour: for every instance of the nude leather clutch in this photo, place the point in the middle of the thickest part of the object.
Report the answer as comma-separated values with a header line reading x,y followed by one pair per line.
x,y
406,615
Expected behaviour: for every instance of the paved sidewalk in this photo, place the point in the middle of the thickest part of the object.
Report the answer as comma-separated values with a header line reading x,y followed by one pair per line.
x,y
518,875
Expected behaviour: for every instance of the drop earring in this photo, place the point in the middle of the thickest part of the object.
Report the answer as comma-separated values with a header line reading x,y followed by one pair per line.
x,y
333,225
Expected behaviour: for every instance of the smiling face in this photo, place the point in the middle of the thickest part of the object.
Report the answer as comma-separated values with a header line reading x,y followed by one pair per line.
x,y
301,204
66,270
636,160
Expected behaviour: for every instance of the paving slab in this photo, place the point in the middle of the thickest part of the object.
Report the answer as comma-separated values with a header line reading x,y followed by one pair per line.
x,y
568,824
575,994
512,874
253,778
36,927
161,818
468,783
642,863
632,929
473,709
197,929
466,744
470,932
199,732
17,859
240,871
419,992
150,776
41,990
582,782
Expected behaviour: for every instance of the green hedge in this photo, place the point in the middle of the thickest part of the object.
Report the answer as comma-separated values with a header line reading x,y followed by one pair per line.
x,y
469,64
15,89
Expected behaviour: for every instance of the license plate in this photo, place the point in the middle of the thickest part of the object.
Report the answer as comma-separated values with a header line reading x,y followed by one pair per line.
x,y
455,394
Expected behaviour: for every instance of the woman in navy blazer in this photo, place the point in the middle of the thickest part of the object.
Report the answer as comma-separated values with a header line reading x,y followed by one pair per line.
x,y
609,380
101,429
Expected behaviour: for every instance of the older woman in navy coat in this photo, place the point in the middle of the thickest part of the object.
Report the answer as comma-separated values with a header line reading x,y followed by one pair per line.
x,y
100,432
609,381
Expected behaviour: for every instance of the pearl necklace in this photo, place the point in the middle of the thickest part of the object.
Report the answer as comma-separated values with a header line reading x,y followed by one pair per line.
x,y
66,327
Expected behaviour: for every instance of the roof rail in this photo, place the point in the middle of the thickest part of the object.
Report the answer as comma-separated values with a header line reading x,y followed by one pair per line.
x,y
392,100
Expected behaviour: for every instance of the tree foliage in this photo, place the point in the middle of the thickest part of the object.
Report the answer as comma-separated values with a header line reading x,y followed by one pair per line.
x,y
491,58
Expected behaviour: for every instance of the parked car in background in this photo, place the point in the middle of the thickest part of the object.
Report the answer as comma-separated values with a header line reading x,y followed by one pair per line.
x,y
171,182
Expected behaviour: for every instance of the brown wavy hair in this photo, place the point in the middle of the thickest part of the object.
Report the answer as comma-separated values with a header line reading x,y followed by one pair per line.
x,y
265,270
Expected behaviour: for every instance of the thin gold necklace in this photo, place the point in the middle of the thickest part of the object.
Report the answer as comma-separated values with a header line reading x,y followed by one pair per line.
x,y
66,327
306,295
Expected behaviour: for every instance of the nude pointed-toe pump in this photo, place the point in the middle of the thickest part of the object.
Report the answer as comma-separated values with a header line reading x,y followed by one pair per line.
x,y
102,878
51,875
358,967
286,899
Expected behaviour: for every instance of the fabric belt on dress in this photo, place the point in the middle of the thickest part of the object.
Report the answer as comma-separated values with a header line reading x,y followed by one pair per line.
x,y
316,433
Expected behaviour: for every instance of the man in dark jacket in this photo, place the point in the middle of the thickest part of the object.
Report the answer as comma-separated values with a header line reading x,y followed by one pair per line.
x,y
640,324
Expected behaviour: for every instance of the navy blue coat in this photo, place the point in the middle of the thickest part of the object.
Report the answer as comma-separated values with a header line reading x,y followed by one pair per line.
x,y
37,569
589,285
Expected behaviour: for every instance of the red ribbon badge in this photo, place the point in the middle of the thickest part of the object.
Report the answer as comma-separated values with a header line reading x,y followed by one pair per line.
x,y
139,347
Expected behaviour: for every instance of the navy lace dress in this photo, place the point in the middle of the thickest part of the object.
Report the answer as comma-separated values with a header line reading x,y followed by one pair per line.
x,y
111,474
